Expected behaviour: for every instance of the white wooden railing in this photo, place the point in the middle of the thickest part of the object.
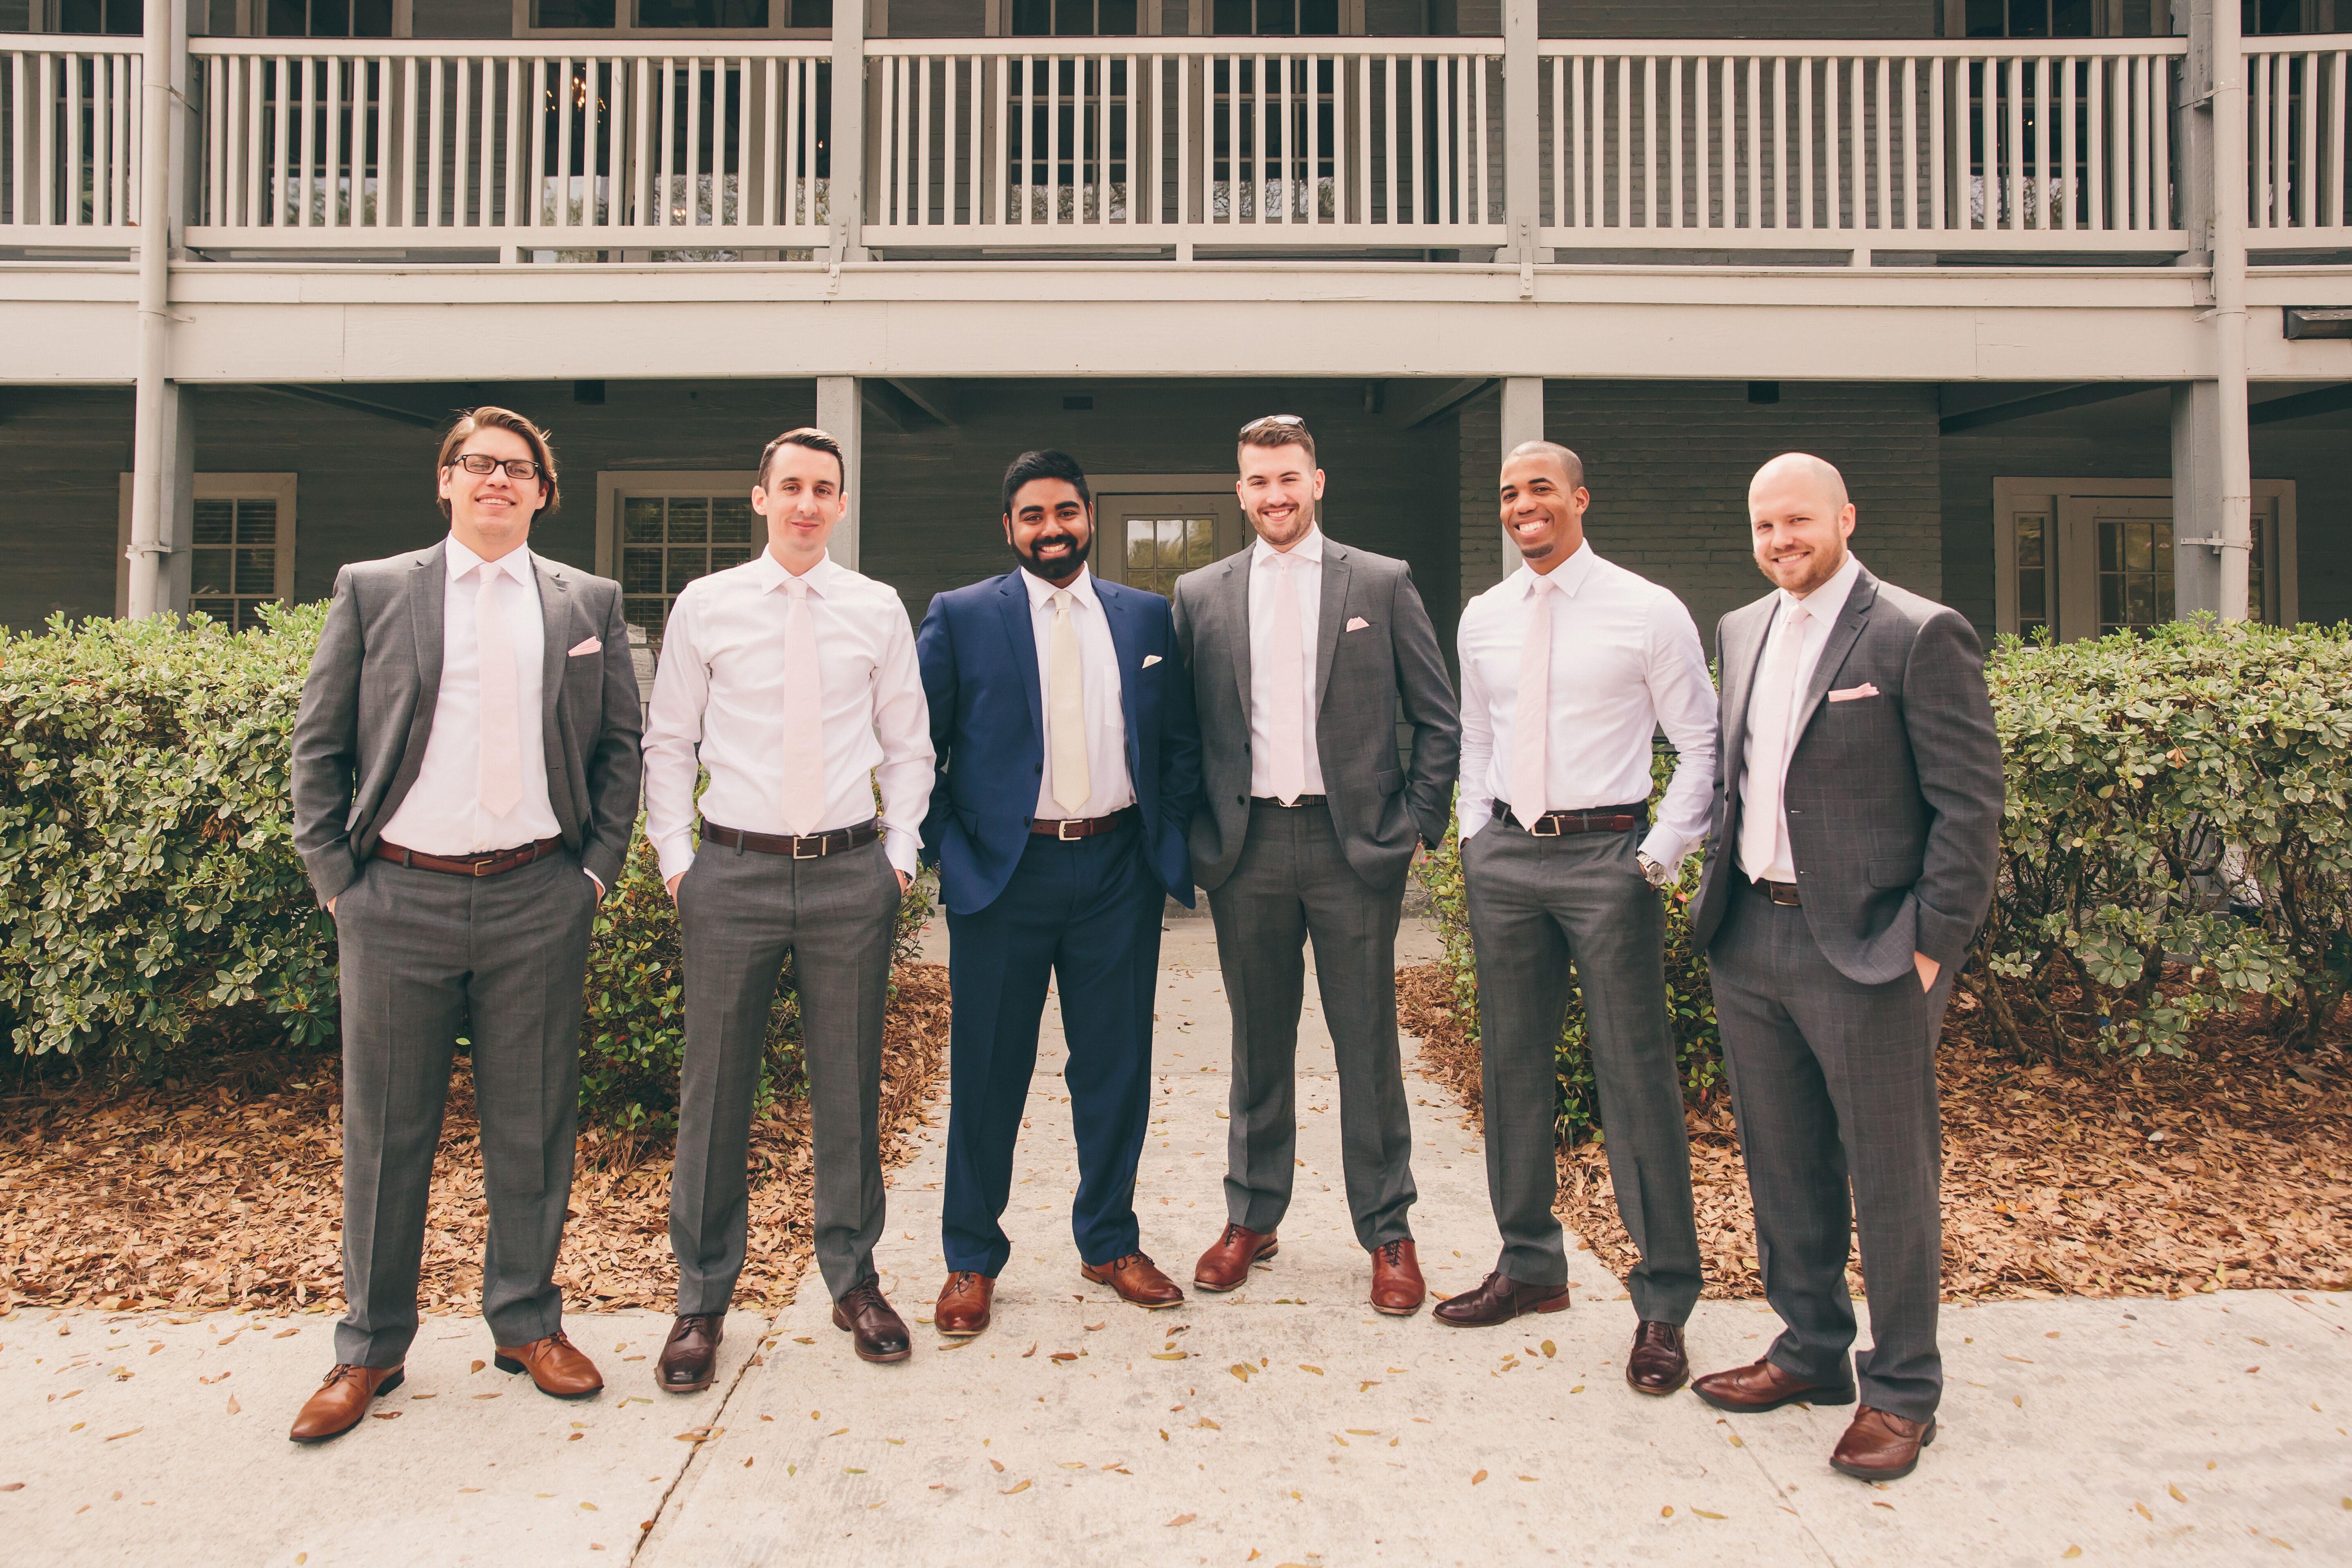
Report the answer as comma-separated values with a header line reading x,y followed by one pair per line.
x,y
2297,185
1941,146
70,121
1255,143
540,145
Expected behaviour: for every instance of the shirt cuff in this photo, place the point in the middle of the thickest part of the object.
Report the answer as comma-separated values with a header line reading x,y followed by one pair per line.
x,y
1668,848
906,853
676,852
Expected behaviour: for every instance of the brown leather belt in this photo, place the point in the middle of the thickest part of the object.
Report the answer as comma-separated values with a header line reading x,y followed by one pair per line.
x,y
488,864
1069,827
799,846
1289,804
1784,893
1599,819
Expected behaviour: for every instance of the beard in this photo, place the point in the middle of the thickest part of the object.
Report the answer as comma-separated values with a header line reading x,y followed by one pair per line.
x,y
1820,569
1059,567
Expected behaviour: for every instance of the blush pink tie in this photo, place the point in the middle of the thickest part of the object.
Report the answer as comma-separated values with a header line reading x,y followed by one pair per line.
x,y
500,686
1531,715
1287,651
804,714
1767,746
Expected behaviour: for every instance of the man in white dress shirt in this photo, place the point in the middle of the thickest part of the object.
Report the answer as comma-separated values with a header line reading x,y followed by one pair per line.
x,y
1568,667
465,783
792,679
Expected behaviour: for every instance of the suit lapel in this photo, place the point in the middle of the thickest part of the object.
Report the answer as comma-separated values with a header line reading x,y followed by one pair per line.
x,y
1327,624
555,625
1118,616
1235,609
428,594
1743,649
1013,596
1850,622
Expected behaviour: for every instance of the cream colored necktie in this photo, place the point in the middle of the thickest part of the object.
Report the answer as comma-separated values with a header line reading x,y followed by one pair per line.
x,y
1286,663
1531,717
803,760
1767,746
494,651
1066,708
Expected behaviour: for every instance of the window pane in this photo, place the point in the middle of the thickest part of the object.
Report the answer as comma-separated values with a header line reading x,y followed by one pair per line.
x,y
215,522
2111,602
289,18
1989,18
2029,18
812,14
1139,535
685,566
1278,17
2139,601
2033,602
1074,18
573,14
2136,547
2070,18
208,570
724,556
2111,548
257,522
1199,540
690,520
649,613
1032,18
257,572
218,609
1231,17
1170,530
731,521
1319,18
641,520
1115,18
702,12
641,570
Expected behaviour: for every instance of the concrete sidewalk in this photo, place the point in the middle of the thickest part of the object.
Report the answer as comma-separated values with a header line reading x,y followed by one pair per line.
x,y
1080,1429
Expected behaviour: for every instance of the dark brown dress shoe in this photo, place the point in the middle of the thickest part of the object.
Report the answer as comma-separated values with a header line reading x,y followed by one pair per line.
x,y
964,1302
1658,1364
1498,1300
1397,1286
690,1360
1879,1447
1749,1390
1136,1278
877,1331
555,1364
1228,1261
341,1402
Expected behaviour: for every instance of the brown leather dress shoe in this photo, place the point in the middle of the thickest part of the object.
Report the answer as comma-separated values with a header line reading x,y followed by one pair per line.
x,y
1658,1364
1498,1300
1136,1278
964,1302
555,1364
690,1358
1229,1258
341,1402
1747,1389
1397,1286
1879,1447
877,1331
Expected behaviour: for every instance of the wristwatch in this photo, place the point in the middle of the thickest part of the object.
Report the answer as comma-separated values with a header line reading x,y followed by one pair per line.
x,y
1658,875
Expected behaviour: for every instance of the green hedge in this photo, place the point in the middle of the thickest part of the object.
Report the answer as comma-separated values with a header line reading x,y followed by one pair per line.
x,y
2174,844
151,901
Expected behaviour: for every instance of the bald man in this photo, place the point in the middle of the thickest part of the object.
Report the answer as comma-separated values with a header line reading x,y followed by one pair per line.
x,y
1568,667
1857,811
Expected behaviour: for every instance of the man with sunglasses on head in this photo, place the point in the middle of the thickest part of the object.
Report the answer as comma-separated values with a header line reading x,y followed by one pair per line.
x,y
465,781
1305,655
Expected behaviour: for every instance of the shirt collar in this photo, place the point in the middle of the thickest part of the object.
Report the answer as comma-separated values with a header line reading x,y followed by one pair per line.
x,y
770,572
1081,588
1309,550
1826,603
1568,575
516,562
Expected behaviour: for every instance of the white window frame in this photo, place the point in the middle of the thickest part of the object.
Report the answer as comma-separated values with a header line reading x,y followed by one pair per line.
x,y
1112,563
774,29
279,487
614,486
2059,498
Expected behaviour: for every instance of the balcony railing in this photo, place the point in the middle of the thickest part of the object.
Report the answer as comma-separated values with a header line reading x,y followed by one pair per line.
x,y
1183,146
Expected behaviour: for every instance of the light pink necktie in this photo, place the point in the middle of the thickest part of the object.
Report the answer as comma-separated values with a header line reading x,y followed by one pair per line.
x,y
1767,746
494,650
1531,716
804,715
1286,663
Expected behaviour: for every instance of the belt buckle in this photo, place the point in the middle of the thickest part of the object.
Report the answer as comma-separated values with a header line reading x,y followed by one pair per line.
x,y
1535,829
1061,829
482,867
816,854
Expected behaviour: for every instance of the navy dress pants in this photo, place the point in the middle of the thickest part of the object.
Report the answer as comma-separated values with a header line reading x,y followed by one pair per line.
x,y
1084,915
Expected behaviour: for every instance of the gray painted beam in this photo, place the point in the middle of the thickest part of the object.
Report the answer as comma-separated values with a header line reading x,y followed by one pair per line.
x,y
2301,404
2041,403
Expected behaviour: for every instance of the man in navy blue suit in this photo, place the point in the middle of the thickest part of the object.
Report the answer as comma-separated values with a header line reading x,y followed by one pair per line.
x,y
1068,760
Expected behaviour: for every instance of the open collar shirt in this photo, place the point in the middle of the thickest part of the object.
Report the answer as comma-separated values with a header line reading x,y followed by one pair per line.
x,y
1301,569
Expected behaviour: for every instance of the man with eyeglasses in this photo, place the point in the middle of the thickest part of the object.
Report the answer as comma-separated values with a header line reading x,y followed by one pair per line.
x,y
465,782
1305,656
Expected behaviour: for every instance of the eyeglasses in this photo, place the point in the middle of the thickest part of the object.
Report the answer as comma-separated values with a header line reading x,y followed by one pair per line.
x,y
1273,419
483,463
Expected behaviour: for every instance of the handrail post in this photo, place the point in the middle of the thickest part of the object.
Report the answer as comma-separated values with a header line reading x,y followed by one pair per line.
x,y
162,458
848,151
1522,140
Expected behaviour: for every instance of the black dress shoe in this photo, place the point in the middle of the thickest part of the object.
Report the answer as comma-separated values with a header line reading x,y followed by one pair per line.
x,y
1658,1364
1498,1300
690,1360
880,1334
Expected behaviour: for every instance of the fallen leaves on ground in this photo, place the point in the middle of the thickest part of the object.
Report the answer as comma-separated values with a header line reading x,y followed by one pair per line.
x,y
2053,1185
227,1191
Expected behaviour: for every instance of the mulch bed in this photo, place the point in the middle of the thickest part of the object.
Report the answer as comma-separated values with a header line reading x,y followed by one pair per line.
x,y
228,1192
2108,1177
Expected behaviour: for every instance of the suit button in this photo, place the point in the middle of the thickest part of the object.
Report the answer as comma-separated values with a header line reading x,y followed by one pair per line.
x,y
1241,800
1041,769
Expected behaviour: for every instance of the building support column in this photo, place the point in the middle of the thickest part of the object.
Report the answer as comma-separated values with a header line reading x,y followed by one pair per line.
x,y
1523,420
1522,141
163,479
845,182
2212,465
841,414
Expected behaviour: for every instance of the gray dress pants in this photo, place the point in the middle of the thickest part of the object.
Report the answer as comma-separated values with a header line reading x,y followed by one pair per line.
x,y
742,912
1834,1085
426,957
1291,883
1535,905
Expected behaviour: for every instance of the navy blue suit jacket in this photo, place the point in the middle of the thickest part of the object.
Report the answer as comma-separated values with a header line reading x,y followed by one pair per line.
x,y
978,648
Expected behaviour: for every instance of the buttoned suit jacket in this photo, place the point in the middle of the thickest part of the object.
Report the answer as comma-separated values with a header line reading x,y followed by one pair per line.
x,y
977,649
376,680
1367,679
1893,797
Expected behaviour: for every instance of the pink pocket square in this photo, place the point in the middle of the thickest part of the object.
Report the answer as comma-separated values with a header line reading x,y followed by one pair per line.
x,y
1357,623
1853,692
593,645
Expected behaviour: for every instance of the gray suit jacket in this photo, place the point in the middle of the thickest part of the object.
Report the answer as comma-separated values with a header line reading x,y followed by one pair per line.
x,y
1364,680
1894,801
368,705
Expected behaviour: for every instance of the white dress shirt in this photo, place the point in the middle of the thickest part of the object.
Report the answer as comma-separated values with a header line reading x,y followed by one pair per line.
x,y
1303,570
1109,787
443,813
718,700
1822,607
1626,662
